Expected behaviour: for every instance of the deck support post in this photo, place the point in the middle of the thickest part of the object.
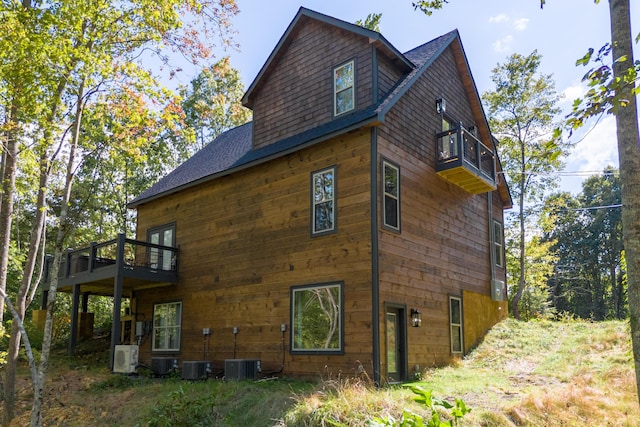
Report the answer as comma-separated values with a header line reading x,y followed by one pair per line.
x,y
117,298
75,305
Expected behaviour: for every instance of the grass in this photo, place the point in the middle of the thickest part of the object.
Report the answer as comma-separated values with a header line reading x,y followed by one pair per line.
x,y
540,373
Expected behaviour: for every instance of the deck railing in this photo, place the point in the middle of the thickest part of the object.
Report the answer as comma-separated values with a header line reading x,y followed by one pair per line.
x,y
459,147
132,253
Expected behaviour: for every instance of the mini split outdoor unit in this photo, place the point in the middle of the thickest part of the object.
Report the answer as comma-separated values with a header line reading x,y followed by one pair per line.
x,y
163,365
196,370
125,359
241,369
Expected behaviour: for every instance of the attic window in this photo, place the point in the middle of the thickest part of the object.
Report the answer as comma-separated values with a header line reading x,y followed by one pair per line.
x,y
343,88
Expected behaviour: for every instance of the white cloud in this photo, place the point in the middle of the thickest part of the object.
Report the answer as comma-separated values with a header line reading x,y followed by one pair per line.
x,y
521,24
503,45
498,19
597,148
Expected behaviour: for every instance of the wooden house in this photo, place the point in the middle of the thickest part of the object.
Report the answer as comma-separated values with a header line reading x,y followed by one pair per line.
x,y
355,225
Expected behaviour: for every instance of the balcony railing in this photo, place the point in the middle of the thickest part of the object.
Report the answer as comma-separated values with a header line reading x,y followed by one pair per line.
x,y
465,161
130,258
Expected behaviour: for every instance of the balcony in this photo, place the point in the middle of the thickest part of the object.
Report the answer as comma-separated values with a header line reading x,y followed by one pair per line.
x,y
128,264
465,161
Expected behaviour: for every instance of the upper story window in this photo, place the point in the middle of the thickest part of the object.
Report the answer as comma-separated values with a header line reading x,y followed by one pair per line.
x,y
163,236
323,188
498,243
344,88
391,199
166,326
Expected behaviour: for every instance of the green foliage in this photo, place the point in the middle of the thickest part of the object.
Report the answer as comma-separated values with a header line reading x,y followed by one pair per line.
x,y
425,397
114,382
428,6
372,22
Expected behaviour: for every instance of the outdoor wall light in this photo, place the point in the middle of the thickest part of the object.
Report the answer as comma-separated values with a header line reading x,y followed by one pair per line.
x,y
416,318
441,105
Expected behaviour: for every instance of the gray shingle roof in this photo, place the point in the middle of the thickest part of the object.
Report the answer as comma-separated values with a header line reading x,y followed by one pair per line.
x,y
232,150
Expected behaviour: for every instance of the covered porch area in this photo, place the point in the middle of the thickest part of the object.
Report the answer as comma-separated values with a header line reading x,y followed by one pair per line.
x,y
117,268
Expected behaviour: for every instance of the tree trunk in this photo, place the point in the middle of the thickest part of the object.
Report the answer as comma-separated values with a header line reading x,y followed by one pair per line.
x,y
515,309
25,291
6,206
36,409
629,154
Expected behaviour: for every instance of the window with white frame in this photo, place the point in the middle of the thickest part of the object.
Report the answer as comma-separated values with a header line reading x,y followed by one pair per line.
x,y
323,188
316,318
455,322
166,326
498,243
391,199
344,88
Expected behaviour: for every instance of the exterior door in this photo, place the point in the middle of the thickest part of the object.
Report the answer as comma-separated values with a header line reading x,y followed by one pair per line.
x,y
161,259
396,344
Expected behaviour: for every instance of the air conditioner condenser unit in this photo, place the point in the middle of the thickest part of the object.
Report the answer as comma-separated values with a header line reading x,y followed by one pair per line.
x,y
161,366
196,370
241,369
125,359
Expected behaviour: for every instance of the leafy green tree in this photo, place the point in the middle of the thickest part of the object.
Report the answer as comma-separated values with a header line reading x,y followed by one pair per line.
x,y
372,21
521,112
212,102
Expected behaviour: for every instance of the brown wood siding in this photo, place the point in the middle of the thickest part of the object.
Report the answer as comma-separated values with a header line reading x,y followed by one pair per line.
x,y
444,243
298,94
388,75
245,240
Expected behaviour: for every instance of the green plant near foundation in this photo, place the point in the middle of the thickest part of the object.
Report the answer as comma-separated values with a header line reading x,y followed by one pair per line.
x,y
409,419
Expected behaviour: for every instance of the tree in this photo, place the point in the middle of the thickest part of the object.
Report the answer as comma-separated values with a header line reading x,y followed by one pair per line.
x,y
56,56
521,112
212,103
372,22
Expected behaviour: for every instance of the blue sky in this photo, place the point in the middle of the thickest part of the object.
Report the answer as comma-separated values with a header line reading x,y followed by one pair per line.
x,y
490,30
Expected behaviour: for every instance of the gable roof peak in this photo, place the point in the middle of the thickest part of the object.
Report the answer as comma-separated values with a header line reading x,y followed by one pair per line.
x,y
302,15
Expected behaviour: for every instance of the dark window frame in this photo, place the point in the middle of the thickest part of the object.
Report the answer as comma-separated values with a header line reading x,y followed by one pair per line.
x,y
333,202
293,321
385,194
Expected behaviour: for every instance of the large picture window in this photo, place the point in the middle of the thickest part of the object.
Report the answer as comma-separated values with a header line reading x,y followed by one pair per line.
x,y
166,326
323,188
344,88
498,243
391,200
316,318
455,321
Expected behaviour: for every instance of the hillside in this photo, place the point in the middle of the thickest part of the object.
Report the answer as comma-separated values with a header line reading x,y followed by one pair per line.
x,y
523,374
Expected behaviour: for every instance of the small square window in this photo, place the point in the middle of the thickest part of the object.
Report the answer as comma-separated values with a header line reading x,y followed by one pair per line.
x,y
344,88
323,201
316,318
391,199
166,326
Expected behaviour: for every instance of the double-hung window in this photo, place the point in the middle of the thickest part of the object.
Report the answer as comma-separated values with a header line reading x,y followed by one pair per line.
x,y
391,199
316,318
323,204
167,319
455,322
344,88
498,243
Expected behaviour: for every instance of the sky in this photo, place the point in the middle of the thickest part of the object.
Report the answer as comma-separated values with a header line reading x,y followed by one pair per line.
x,y
490,30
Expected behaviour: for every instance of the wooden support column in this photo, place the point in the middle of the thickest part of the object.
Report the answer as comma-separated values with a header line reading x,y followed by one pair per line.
x,y
117,298
74,319
85,302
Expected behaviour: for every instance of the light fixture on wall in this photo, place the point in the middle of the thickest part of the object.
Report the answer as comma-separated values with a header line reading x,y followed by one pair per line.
x,y
416,318
441,105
